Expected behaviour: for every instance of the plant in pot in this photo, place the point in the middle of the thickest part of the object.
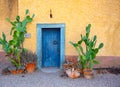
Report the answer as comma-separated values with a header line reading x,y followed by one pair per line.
x,y
12,50
30,59
14,47
70,67
87,56
72,72
70,63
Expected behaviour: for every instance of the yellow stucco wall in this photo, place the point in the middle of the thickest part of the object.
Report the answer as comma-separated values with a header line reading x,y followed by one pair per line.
x,y
8,9
104,15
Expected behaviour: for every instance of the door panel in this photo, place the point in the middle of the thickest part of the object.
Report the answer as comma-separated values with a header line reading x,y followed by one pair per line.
x,y
51,47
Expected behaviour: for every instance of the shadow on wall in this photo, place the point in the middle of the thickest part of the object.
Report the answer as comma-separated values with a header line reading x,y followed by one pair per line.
x,y
8,9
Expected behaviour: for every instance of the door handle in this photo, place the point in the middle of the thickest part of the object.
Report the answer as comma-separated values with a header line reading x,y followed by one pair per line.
x,y
54,42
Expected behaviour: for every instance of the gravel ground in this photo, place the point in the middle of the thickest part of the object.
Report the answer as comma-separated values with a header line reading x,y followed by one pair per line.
x,y
42,79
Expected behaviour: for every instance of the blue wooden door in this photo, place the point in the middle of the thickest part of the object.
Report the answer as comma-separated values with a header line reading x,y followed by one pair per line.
x,y
50,47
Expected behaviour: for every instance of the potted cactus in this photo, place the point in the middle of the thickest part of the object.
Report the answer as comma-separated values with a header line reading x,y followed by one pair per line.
x,y
87,56
14,47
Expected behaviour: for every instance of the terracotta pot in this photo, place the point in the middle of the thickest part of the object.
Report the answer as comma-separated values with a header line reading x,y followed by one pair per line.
x,y
73,73
30,67
88,73
14,70
18,71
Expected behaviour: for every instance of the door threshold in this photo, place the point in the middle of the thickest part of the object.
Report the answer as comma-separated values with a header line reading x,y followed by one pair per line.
x,y
50,69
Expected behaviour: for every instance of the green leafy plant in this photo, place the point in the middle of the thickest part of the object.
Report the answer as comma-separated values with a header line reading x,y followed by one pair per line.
x,y
86,57
14,47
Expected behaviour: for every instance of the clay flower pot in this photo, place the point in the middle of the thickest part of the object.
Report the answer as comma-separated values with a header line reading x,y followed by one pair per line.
x,y
72,73
88,73
14,70
19,71
30,67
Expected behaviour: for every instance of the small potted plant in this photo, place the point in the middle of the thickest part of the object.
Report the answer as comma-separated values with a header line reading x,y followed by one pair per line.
x,y
86,57
73,73
69,63
70,67
30,59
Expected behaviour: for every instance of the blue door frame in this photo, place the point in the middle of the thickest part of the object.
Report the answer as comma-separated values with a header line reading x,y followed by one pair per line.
x,y
39,42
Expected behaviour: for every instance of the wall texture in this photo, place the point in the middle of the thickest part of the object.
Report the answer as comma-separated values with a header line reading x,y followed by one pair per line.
x,y
8,9
104,15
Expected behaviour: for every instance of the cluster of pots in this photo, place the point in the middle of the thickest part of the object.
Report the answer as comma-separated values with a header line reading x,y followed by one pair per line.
x,y
74,72
29,68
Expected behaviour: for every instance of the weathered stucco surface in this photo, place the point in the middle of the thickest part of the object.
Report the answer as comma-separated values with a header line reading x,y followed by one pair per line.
x,y
104,15
8,9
